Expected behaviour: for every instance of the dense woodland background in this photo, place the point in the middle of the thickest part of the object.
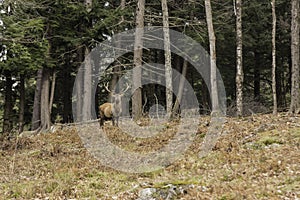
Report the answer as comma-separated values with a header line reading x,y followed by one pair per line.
x,y
44,42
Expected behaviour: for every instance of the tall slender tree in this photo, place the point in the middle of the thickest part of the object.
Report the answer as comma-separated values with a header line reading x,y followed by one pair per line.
x,y
180,88
295,94
213,58
87,83
79,88
87,87
137,59
274,57
45,109
168,66
36,113
239,58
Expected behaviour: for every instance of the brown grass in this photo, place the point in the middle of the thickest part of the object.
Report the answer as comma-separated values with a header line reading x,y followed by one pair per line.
x,y
256,158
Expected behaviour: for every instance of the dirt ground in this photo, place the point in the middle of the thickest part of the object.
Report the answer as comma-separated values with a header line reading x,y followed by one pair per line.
x,y
256,157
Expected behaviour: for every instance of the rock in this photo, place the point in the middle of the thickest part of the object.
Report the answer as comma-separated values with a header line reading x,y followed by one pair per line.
x,y
147,194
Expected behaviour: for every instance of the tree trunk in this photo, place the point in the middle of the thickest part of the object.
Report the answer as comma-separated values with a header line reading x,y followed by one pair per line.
x,y
122,4
239,60
138,53
168,66
205,98
213,67
22,103
87,87
7,118
87,77
36,113
295,98
79,88
274,57
281,84
45,110
180,89
257,76
52,92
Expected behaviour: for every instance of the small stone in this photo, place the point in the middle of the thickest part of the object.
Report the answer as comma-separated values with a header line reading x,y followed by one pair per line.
x,y
146,194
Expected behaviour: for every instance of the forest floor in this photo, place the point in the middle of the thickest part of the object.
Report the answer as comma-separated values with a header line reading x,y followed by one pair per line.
x,y
256,157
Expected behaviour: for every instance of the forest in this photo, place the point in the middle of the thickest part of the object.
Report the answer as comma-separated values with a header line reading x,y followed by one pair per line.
x,y
45,42
238,60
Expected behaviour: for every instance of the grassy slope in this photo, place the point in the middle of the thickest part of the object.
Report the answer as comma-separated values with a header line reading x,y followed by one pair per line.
x,y
256,158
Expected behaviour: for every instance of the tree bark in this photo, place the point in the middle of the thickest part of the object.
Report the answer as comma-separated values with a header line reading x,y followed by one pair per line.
x,y
295,98
138,53
257,76
274,57
87,76
168,66
122,4
180,89
239,59
36,113
87,87
205,98
7,118
52,92
79,88
213,67
22,103
45,110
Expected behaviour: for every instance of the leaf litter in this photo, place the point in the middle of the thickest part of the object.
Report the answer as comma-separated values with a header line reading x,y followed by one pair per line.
x,y
256,157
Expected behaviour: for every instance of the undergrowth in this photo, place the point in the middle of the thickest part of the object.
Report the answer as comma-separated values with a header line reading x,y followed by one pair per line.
x,y
255,158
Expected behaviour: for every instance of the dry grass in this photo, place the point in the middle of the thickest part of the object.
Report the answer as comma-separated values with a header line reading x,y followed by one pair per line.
x,y
256,158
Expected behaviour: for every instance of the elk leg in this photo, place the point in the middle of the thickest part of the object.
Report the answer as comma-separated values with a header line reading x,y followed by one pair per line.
x,y
101,122
117,121
113,121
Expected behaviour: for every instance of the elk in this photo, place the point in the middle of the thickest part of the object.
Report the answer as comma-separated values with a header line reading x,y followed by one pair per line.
x,y
112,111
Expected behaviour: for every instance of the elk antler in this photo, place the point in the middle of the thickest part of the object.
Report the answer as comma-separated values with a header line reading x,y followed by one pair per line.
x,y
106,87
125,89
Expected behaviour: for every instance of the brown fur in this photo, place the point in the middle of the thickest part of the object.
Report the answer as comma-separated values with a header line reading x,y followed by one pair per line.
x,y
106,110
109,111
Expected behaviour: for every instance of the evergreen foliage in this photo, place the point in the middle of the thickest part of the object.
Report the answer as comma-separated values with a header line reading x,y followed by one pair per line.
x,y
35,34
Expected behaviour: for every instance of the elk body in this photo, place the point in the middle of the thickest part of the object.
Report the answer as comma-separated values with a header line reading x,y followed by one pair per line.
x,y
112,111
